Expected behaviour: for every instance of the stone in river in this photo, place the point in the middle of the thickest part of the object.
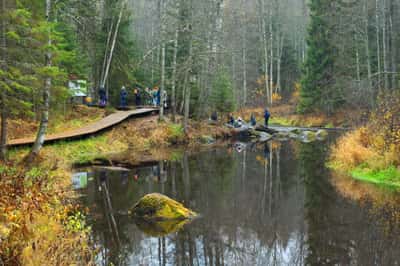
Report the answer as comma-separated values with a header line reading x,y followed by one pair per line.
x,y
158,207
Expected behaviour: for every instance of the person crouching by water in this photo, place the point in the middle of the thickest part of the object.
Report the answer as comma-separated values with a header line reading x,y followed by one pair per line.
x,y
231,119
214,116
267,115
138,98
123,97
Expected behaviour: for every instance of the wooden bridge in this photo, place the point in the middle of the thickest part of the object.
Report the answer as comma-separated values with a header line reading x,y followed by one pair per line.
x,y
91,129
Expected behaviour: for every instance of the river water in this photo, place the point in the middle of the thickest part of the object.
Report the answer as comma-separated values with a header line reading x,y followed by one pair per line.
x,y
259,204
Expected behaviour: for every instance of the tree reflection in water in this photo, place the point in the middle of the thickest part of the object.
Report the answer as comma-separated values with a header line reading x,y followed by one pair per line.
x,y
268,204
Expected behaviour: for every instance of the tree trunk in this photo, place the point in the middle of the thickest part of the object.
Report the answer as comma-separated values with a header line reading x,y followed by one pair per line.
x,y
378,44
44,119
384,47
271,68
173,96
244,56
188,88
162,92
358,69
393,47
3,134
266,64
103,69
367,51
280,53
110,56
3,105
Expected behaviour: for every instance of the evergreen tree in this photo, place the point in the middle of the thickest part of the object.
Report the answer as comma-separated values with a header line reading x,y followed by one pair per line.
x,y
222,95
318,90
15,74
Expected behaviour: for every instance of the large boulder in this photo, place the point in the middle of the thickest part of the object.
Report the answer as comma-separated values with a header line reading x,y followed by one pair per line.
x,y
158,207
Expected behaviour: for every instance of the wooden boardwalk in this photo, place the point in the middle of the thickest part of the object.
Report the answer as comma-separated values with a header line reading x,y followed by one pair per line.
x,y
91,129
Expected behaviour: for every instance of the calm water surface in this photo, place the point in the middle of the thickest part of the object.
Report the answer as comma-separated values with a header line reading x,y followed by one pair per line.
x,y
268,204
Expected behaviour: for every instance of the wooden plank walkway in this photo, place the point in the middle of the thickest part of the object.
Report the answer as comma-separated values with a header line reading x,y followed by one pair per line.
x,y
91,129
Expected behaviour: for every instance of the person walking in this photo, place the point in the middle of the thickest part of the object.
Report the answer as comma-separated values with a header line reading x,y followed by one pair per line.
x,y
123,97
267,115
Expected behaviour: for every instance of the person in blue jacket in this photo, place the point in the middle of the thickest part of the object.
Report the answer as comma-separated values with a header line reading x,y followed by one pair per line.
x,y
123,96
267,115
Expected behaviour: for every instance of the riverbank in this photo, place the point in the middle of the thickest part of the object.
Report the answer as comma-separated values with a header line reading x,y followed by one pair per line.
x,y
365,155
37,202
286,115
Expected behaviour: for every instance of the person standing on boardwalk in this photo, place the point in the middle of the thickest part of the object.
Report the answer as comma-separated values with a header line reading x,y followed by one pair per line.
x,y
154,96
102,97
123,97
267,115
138,98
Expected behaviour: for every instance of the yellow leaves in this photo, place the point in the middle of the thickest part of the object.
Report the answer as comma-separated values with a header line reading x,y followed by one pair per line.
x,y
4,231
34,216
276,97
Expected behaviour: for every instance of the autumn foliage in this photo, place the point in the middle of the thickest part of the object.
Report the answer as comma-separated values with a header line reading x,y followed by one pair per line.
x,y
36,227
377,145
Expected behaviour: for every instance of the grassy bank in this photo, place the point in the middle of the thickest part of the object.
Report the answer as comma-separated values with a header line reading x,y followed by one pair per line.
x,y
366,155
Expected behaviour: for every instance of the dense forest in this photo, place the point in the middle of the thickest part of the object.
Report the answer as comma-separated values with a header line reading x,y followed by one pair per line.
x,y
335,62
206,55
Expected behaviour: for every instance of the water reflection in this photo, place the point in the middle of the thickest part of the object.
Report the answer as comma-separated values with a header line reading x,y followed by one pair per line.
x,y
269,204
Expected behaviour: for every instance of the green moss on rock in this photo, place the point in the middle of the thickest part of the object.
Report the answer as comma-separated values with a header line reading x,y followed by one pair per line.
x,y
158,207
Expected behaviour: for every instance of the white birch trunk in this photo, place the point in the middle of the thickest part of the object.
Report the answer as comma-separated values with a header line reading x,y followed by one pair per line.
x,y
44,120
110,56
271,68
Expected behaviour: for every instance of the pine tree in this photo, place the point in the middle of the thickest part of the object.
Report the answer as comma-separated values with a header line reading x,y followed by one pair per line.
x,y
318,83
15,75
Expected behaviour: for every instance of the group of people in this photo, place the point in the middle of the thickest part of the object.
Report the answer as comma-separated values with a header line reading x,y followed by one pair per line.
x,y
154,94
253,121
124,97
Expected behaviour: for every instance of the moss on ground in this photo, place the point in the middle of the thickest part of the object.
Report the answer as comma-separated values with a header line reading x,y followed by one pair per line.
x,y
389,177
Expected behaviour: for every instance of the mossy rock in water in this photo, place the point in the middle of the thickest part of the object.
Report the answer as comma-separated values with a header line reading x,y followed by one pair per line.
x,y
158,207
160,228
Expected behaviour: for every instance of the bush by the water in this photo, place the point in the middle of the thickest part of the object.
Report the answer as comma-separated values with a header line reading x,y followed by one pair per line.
x,y
374,148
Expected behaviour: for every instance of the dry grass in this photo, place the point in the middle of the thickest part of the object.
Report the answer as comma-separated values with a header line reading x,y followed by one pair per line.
x,y
33,217
352,150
